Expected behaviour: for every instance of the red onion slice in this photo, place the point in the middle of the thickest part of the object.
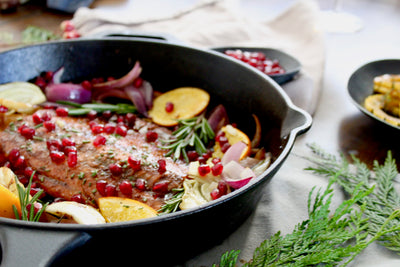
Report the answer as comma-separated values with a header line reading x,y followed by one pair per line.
x,y
147,91
136,96
57,75
237,176
233,153
126,80
218,118
67,92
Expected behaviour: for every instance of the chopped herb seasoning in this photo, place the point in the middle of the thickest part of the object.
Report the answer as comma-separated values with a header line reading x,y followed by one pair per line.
x,y
81,175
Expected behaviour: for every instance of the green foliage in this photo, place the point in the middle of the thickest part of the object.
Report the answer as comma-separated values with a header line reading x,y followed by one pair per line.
x,y
335,238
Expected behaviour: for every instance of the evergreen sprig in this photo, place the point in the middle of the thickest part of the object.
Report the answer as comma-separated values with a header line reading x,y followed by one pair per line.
x,y
369,214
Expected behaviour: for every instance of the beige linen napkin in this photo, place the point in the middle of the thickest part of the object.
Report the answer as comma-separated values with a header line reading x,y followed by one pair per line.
x,y
212,23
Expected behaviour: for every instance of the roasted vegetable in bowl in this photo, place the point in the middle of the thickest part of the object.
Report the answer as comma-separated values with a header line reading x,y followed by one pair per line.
x,y
385,102
78,155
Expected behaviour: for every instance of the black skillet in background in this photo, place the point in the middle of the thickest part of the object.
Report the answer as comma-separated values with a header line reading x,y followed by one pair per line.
x,y
173,238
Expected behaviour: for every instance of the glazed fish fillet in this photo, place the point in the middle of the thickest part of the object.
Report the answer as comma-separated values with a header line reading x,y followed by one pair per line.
x,y
103,160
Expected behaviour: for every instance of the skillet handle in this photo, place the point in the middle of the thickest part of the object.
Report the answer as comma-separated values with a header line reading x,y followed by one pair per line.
x,y
36,247
138,35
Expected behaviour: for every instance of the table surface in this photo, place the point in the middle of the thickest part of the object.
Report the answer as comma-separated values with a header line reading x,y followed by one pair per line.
x,y
338,125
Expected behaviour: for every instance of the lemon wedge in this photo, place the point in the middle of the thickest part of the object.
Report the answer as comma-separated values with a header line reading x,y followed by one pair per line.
x,y
116,209
8,193
77,212
21,96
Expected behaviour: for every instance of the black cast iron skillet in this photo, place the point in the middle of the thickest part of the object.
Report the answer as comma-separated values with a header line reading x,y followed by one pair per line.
x,y
173,238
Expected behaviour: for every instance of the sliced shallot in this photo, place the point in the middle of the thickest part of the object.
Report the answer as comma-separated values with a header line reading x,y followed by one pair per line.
x,y
127,79
138,99
237,176
67,92
233,153
218,118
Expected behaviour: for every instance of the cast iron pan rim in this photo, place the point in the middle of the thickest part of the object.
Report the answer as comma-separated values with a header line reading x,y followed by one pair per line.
x,y
274,166
351,89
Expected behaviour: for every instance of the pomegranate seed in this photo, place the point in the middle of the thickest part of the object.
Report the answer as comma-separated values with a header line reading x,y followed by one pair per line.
x,y
110,190
202,160
71,34
46,116
193,155
109,128
204,169
20,163
141,184
78,198
29,172
161,187
37,119
34,191
215,160
54,144
115,169
3,109
121,130
86,85
151,136
215,194
107,114
13,155
49,125
126,188
222,188
92,115
7,164
68,142
70,149
162,166
28,132
57,156
23,180
169,107
225,147
37,206
217,168
130,119
121,119
72,159
135,164
97,128
41,82
62,112
99,140
101,187
67,26
138,82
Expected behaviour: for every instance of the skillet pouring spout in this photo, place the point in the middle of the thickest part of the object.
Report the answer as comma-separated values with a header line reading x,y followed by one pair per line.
x,y
169,239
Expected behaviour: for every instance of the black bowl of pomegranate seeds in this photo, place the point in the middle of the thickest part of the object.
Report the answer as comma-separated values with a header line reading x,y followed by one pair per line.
x,y
278,65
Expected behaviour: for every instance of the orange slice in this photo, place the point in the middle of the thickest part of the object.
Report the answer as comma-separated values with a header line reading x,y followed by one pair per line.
x,y
233,135
117,209
8,194
187,102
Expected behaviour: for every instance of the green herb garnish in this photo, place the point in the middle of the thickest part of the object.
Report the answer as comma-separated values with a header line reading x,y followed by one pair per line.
x,y
192,133
27,202
83,109
370,214
172,204
33,34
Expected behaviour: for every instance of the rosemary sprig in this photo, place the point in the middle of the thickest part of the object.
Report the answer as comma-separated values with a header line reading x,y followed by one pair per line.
x,y
27,202
172,204
192,133
83,109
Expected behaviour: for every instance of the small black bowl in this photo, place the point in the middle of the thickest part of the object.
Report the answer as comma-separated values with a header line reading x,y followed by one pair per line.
x,y
290,64
361,82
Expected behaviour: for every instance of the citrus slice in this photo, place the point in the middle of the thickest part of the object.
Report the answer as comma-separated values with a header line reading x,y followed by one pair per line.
x,y
67,211
180,103
21,96
116,209
8,193
233,136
